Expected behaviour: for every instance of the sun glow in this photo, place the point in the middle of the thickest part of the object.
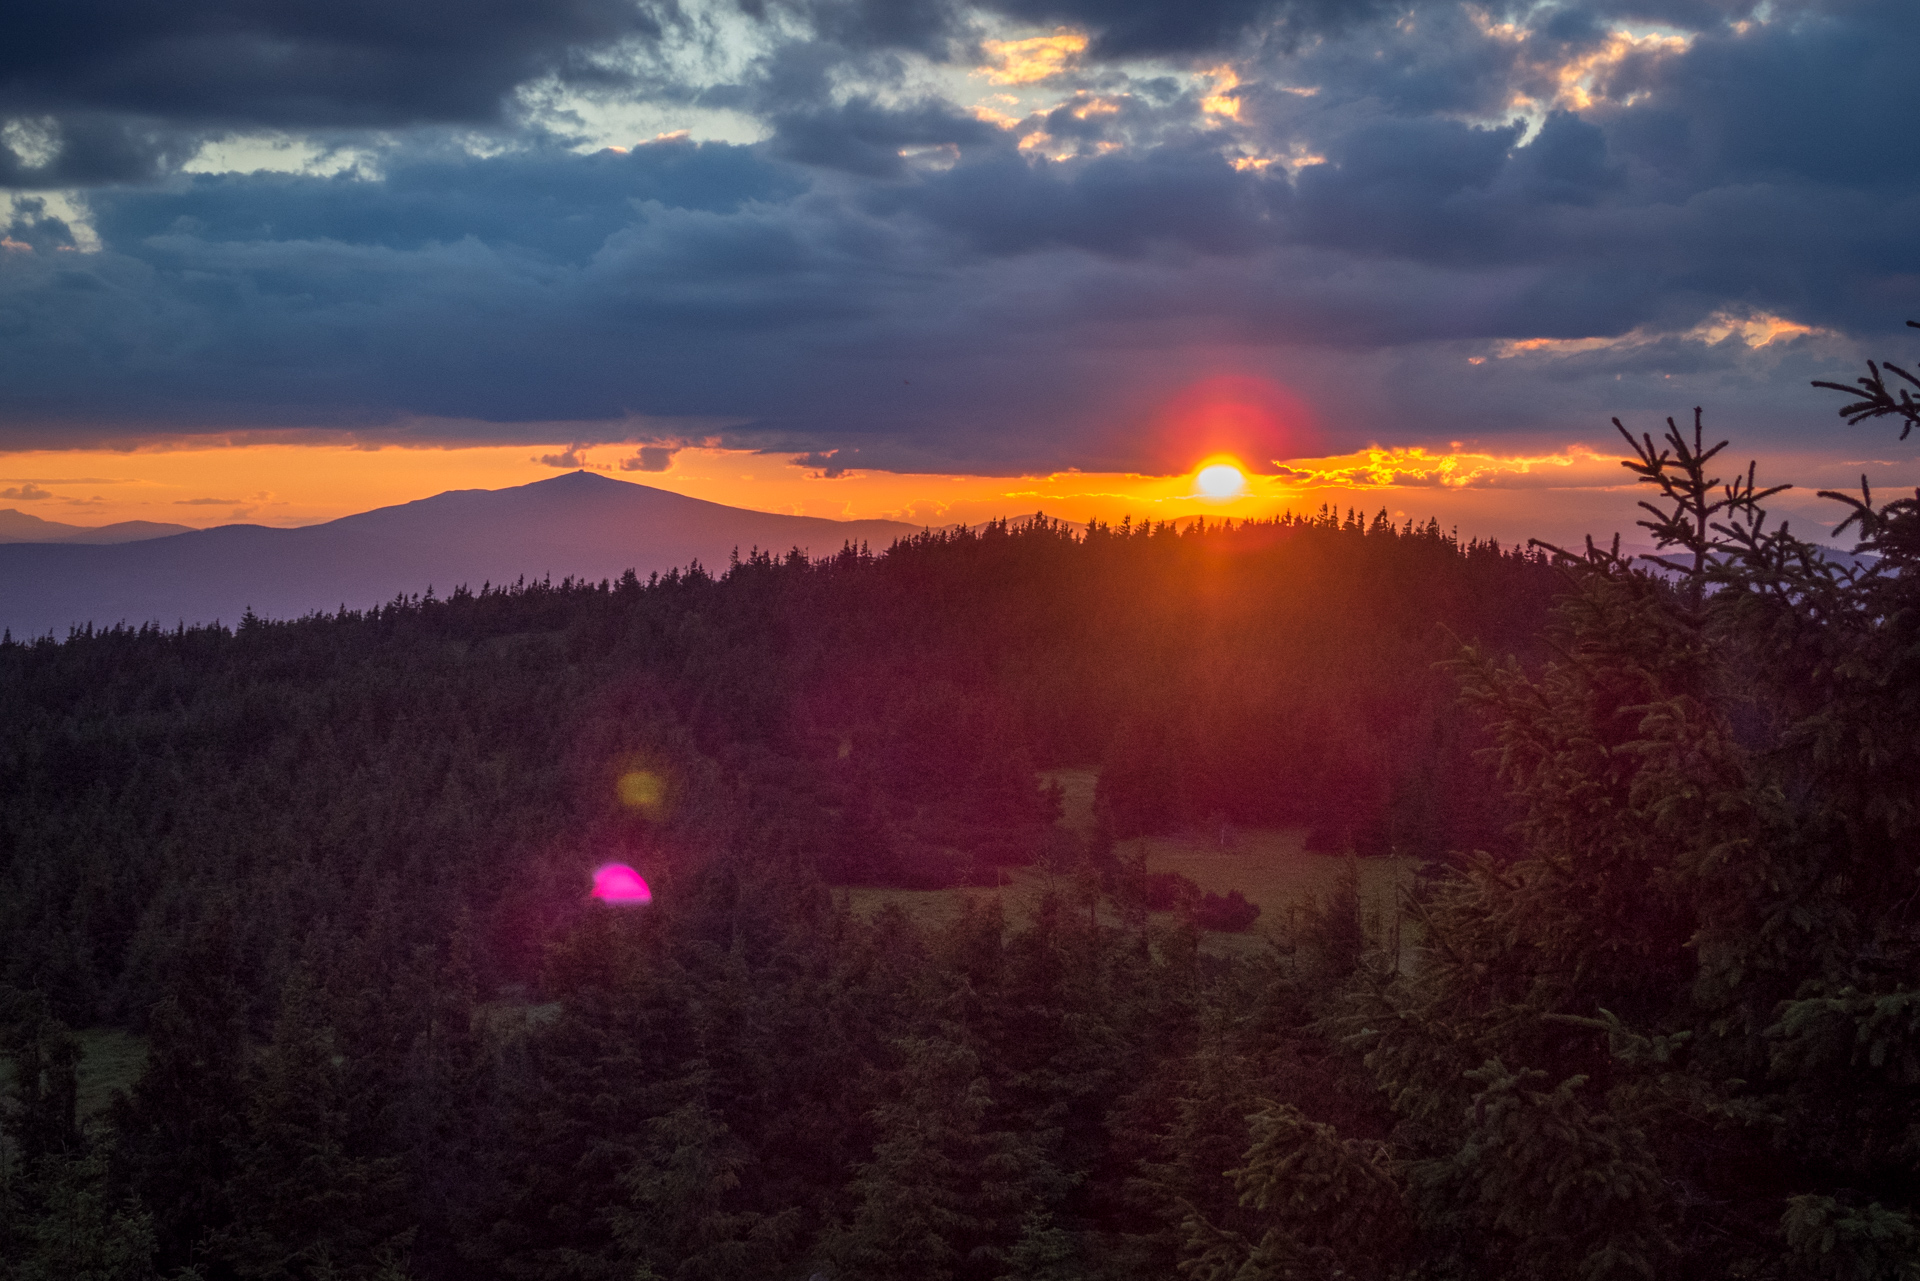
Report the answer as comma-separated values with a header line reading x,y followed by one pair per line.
x,y
1220,481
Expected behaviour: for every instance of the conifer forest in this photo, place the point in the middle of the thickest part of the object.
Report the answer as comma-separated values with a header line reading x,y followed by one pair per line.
x,y
1651,1008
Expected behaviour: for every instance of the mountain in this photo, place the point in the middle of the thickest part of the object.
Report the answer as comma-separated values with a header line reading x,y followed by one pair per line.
x,y
18,527
581,524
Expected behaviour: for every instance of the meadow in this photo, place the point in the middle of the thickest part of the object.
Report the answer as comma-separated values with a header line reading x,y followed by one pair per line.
x,y
111,1060
1271,866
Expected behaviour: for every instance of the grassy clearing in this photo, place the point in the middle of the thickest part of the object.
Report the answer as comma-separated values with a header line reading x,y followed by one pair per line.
x,y
110,1060
1271,866
1076,795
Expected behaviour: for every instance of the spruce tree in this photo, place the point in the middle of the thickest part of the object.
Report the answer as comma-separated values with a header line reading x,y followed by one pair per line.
x,y
1673,1034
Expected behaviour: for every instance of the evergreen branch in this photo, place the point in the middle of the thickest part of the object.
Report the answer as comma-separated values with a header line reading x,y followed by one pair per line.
x,y
1876,400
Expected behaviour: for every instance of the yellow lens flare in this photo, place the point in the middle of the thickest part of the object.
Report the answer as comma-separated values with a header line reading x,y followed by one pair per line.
x,y
1220,481
642,790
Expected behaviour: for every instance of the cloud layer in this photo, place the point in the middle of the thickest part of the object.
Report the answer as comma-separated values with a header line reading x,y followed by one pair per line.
x,y
1002,237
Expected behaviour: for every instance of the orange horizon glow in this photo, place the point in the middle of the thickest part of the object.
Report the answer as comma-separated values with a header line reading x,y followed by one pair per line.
x,y
284,485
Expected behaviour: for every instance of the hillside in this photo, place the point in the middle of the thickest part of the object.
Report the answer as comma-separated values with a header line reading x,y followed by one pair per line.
x,y
869,719
580,525
21,527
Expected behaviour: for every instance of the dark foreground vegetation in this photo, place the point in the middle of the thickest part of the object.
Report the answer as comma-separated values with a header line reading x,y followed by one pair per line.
x,y
1665,1024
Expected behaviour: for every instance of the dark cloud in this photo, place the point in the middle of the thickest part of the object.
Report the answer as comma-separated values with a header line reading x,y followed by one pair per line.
x,y
1566,163
1827,98
32,227
90,148
1187,198
1137,28
650,458
926,26
893,276
1687,15
1441,63
123,91
571,457
1414,188
826,464
864,138
1120,29
300,62
546,200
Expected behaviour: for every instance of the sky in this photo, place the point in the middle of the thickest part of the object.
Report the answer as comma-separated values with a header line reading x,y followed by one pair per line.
x,y
941,261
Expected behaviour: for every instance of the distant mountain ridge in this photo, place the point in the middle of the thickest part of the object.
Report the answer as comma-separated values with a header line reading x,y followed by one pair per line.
x,y
17,526
581,524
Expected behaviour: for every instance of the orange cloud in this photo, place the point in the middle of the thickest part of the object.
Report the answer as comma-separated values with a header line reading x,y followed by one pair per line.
x,y
1583,80
1415,467
1223,101
1023,62
1752,328
1297,157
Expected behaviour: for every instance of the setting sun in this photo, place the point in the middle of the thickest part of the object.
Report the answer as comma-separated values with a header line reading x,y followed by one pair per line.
x,y
1220,480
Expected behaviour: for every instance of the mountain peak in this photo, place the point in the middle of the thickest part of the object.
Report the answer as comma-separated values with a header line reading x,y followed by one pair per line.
x,y
17,526
583,525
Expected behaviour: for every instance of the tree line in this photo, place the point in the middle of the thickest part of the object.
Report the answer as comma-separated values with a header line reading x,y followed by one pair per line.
x,y
1659,1018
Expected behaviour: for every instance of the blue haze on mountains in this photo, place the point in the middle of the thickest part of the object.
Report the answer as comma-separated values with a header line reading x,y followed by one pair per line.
x,y
579,525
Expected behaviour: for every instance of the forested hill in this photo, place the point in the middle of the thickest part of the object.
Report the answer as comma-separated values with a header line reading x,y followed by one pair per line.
x,y
333,872
871,719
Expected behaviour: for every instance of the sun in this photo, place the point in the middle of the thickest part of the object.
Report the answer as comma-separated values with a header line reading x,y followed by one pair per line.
x,y
1220,480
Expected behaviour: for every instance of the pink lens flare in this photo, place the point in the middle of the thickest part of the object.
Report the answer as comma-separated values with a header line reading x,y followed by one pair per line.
x,y
618,883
